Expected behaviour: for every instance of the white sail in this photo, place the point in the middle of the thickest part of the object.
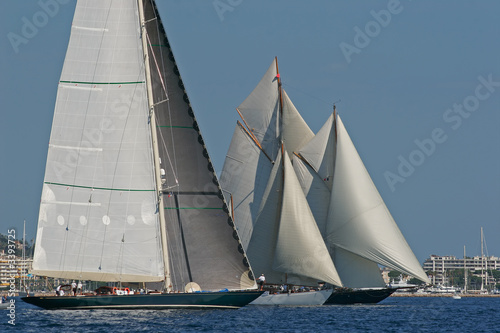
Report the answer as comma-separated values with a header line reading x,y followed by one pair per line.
x,y
260,111
262,243
319,152
126,150
244,178
316,192
300,249
203,245
359,220
295,131
356,271
98,207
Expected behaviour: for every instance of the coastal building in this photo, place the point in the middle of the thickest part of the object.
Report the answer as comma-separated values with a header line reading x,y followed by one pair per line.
x,y
13,268
479,266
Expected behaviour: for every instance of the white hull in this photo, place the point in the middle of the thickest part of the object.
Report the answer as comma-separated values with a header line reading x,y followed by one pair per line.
x,y
302,298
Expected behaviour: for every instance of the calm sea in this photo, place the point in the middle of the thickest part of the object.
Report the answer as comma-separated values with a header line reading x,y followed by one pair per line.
x,y
395,314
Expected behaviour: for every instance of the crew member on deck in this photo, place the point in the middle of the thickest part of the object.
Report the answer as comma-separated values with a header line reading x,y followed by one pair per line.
x,y
262,280
73,287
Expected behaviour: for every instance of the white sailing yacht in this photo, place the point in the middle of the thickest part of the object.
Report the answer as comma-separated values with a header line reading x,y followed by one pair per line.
x,y
353,230
130,193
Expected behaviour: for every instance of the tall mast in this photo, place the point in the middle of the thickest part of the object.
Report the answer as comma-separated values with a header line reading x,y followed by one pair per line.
x,y
280,96
279,86
23,266
482,261
156,155
465,272
335,119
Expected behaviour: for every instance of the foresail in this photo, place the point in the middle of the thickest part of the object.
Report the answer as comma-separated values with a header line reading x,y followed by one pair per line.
x,y
319,152
295,131
98,217
203,244
262,244
359,220
316,192
356,271
300,249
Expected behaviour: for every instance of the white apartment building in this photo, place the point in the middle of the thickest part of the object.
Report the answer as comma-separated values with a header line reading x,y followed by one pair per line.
x,y
476,265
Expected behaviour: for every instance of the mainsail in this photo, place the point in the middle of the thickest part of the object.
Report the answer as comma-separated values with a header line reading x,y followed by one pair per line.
x,y
203,243
97,214
130,193
338,194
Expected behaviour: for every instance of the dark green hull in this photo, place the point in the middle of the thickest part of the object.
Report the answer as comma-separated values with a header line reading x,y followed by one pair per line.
x,y
204,300
366,296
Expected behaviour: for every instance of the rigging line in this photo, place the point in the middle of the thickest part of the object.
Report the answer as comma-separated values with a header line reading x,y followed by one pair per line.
x,y
302,158
174,166
183,239
156,64
305,93
254,139
174,278
164,144
250,133
166,96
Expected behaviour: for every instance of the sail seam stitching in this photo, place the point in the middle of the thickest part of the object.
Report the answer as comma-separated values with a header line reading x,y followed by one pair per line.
x,y
88,82
99,188
193,208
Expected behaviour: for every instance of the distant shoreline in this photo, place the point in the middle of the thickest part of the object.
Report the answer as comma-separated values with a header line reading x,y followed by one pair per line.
x,y
441,295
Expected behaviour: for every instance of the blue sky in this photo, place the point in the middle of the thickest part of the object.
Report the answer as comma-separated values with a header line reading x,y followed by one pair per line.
x,y
418,84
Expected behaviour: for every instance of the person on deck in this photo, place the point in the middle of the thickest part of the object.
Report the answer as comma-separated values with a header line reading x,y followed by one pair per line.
x,y
262,280
73,287
79,287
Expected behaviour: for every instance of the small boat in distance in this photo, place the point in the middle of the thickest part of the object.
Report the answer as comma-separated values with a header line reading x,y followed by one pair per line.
x,y
130,194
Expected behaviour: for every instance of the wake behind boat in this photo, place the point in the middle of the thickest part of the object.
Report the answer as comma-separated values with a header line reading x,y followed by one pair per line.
x,y
130,194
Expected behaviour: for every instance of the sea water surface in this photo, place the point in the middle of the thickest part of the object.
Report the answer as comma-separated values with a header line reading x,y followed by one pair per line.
x,y
395,314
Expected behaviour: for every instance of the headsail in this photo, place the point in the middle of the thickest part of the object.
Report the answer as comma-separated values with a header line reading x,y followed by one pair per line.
x,y
300,249
359,220
320,151
314,166
295,131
